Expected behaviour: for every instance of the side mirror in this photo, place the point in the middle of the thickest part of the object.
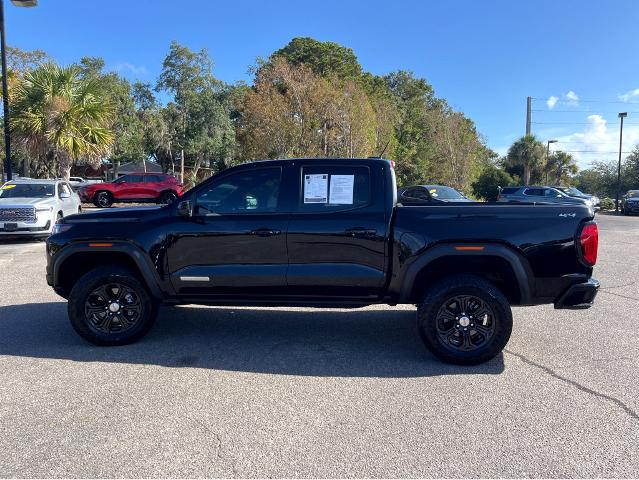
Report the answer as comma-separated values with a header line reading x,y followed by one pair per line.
x,y
185,209
65,195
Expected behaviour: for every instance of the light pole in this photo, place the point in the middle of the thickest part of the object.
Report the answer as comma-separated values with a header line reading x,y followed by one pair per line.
x,y
622,115
548,155
5,93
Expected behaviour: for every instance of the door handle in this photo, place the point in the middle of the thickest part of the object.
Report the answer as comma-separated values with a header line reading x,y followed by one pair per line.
x,y
265,232
361,232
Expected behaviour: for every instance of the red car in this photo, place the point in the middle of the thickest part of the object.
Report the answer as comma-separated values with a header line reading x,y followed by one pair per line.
x,y
136,187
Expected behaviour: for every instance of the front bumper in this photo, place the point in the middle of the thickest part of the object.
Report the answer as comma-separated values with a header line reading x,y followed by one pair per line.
x,y
632,207
578,296
42,226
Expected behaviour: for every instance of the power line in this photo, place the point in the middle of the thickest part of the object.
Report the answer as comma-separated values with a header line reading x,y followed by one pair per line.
x,y
590,101
592,151
576,123
594,112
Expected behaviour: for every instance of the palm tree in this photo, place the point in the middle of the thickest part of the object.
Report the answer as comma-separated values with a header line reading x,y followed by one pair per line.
x,y
560,165
59,114
528,152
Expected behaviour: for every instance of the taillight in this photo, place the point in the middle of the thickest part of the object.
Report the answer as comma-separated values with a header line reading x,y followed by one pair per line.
x,y
589,241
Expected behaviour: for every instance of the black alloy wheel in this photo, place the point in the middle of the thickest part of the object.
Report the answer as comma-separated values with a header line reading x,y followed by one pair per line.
x,y
110,306
113,307
103,199
464,323
464,319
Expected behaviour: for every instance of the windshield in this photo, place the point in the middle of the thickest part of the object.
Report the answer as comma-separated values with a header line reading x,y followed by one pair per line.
x,y
26,190
572,191
444,193
633,193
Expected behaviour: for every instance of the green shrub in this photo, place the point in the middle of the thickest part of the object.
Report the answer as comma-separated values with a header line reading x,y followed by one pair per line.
x,y
607,204
486,184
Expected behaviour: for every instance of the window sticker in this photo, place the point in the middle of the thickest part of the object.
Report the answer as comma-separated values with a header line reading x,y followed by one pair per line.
x,y
342,189
316,188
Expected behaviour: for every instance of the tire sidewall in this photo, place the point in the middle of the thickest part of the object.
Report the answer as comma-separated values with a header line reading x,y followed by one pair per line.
x,y
106,196
92,280
168,198
427,318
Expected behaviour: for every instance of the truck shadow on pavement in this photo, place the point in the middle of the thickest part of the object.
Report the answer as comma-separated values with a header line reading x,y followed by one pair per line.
x,y
354,343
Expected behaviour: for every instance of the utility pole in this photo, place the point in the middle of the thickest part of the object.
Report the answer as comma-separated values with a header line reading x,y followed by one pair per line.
x,y
5,98
622,115
5,92
528,115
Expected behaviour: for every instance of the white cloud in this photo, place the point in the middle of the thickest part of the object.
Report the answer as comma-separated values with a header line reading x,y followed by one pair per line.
x,y
630,96
552,101
137,70
571,98
598,141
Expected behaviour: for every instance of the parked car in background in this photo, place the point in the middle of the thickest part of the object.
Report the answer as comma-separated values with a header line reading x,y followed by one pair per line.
x,y
79,182
31,207
420,194
535,194
137,187
630,202
575,192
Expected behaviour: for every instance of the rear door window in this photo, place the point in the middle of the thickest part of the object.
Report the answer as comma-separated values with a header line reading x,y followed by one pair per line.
x,y
509,190
534,192
334,188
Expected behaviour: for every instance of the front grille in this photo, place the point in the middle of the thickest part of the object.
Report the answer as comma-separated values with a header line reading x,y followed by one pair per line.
x,y
17,214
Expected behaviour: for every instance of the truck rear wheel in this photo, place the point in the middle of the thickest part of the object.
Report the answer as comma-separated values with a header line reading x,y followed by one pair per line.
x,y
110,306
464,320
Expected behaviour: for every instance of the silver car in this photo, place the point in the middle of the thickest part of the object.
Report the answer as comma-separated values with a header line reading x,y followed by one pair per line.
x,y
533,194
31,207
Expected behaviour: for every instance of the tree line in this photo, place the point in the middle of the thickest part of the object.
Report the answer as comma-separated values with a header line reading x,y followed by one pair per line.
x,y
307,99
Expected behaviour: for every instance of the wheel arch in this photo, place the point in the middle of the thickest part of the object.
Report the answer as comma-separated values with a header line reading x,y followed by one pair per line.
x,y
505,268
76,260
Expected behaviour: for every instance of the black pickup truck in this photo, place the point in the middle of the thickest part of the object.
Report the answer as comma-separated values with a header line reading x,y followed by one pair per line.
x,y
324,233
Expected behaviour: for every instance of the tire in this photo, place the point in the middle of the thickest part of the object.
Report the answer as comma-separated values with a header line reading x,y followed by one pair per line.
x,y
103,199
58,217
104,327
434,319
168,198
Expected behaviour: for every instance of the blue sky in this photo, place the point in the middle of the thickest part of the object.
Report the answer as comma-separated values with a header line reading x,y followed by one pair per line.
x,y
484,57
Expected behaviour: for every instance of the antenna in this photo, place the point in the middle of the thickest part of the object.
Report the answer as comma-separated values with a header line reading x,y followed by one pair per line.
x,y
381,154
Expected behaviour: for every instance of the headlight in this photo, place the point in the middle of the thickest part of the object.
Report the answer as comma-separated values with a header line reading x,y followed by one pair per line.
x,y
60,227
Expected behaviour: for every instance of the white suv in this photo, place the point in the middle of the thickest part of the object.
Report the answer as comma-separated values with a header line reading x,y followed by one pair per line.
x,y
31,207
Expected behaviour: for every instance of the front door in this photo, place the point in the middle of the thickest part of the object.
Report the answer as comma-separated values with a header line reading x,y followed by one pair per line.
x,y
235,243
336,236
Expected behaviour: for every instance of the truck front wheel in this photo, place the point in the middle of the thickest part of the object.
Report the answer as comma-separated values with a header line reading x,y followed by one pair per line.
x,y
464,320
110,306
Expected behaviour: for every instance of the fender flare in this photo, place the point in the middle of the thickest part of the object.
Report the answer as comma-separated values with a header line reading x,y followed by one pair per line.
x,y
521,268
148,272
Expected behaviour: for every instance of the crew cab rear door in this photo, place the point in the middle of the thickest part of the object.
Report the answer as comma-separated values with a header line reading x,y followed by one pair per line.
x,y
337,231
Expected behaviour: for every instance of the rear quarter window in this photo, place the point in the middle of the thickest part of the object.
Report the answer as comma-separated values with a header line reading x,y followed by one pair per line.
x,y
509,190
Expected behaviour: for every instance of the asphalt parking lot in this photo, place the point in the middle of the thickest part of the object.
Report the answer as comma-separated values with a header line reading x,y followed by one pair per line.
x,y
330,393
